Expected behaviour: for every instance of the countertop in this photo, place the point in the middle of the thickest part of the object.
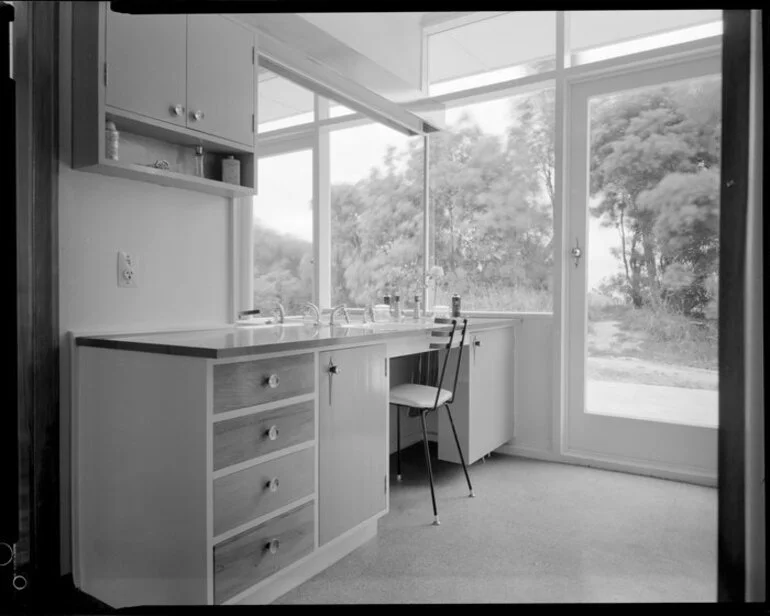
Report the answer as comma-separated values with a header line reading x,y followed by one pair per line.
x,y
239,340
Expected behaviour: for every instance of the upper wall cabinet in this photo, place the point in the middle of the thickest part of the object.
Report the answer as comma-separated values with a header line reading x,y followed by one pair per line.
x,y
173,86
146,65
220,78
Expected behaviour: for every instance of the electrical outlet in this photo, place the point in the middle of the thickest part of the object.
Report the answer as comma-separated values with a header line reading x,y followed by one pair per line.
x,y
126,270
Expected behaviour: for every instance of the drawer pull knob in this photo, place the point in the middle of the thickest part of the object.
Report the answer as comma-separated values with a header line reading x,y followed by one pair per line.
x,y
177,110
273,484
272,433
197,115
334,369
273,545
272,381
477,343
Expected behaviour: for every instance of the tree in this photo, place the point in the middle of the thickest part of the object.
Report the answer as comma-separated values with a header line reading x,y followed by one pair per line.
x,y
637,141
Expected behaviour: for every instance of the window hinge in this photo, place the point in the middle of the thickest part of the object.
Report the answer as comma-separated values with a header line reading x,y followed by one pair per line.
x,y
252,122
386,366
253,54
105,74
385,485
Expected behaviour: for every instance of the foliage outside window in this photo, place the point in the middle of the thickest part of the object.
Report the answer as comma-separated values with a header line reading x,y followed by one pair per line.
x,y
654,179
283,232
376,214
492,199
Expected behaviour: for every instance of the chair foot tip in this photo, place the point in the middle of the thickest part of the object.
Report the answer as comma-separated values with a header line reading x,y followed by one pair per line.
x,y
398,477
436,522
472,495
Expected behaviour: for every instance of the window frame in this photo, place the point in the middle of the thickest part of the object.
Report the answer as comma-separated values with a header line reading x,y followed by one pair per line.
x,y
316,136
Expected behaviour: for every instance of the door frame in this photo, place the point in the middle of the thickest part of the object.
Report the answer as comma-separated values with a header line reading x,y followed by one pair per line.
x,y
36,68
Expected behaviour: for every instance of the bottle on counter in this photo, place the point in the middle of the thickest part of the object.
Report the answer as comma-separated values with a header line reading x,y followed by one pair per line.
x,y
417,308
455,305
397,307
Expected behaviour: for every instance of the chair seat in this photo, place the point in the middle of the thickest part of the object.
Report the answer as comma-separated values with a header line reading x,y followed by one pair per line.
x,y
418,396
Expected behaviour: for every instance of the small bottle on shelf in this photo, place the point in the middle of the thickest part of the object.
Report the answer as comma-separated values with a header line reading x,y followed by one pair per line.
x,y
111,144
417,308
199,161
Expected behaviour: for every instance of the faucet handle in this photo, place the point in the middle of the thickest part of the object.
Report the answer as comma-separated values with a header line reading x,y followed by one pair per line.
x,y
246,313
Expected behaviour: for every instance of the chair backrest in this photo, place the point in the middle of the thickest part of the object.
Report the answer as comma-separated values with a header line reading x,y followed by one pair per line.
x,y
444,336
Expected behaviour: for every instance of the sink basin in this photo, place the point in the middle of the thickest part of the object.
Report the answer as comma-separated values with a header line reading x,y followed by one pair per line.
x,y
274,323
379,327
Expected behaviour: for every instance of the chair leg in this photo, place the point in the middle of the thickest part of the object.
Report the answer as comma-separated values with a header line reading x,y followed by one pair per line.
x,y
398,442
460,451
430,471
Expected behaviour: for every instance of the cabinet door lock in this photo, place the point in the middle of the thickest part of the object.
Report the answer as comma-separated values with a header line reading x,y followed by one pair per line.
x,y
272,433
273,545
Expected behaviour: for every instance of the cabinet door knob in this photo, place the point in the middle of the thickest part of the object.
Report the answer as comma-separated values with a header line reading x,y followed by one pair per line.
x,y
334,369
477,342
177,110
272,381
198,114
273,545
272,433
273,484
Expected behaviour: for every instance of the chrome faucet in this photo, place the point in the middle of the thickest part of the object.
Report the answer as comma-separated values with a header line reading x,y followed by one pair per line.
x,y
310,306
337,309
279,312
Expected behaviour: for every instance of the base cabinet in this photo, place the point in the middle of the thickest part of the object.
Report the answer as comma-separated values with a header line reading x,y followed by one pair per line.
x,y
483,406
353,455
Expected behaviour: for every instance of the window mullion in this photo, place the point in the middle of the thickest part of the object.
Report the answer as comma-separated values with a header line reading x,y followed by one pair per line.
x,y
321,208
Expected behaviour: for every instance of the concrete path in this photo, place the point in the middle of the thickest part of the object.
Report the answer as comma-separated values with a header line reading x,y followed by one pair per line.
x,y
697,407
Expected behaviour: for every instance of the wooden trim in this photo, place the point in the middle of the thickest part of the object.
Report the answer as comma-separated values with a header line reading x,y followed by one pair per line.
x,y
731,549
36,50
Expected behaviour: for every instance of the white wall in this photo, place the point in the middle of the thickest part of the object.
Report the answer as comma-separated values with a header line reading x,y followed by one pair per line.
x,y
180,240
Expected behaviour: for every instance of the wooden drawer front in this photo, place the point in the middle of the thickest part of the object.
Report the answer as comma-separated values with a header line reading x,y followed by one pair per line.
x,y
245,559
244,438
244,384
245,495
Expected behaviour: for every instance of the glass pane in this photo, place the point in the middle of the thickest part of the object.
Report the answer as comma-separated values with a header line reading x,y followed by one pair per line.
x,y
282,103
598,35
377,215
491,195
653,253
283,232
495,49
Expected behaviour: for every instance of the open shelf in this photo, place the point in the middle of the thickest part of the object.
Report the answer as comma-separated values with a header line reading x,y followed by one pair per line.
x,y
163,177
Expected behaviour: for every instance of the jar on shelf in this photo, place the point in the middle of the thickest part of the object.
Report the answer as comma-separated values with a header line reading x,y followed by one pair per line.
x,y
231,170
111,142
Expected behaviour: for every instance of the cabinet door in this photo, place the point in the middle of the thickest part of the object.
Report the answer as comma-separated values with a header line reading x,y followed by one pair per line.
x,y
353,438
220,78
491,390
145,56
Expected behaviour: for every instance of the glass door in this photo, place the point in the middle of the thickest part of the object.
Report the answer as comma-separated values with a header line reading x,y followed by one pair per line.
x,y
642,268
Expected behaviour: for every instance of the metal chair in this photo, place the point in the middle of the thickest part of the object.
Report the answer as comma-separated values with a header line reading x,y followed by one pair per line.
x,y
423,399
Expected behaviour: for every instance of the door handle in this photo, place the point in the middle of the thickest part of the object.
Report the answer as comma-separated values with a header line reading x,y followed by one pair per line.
x,y
333,369
576,252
